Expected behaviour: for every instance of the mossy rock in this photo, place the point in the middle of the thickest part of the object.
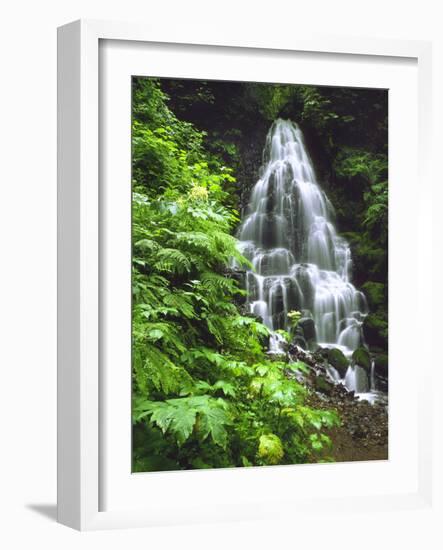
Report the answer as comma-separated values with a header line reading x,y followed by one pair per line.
x,y
375,294
338,360
362,358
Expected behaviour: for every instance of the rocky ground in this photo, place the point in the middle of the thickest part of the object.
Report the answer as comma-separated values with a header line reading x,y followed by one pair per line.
x,y
363,434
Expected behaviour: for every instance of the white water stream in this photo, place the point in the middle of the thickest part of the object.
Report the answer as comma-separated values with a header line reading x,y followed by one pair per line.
x,y
300,262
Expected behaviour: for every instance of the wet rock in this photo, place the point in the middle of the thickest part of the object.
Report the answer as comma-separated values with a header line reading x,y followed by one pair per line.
x,y
358,316
236,273
299,340
307,325
299,354
306,313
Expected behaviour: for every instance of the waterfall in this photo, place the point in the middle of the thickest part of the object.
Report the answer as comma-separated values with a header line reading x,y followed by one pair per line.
x,y
373,382
299,261
356,379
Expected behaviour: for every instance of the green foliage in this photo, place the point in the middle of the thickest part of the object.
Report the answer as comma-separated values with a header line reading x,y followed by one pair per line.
x,y
271,99
203,414
370,172
317,109
270,449
356,162
205,393
320,441
375,294
294,317
167,153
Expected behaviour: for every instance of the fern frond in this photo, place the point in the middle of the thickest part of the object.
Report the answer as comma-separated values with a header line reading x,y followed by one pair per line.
x,y
154,369
172,260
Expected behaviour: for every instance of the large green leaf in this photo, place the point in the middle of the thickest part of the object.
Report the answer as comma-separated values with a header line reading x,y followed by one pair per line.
x,y
213,421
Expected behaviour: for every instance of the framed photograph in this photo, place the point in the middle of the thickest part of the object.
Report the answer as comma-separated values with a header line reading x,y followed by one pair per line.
x,y
239,228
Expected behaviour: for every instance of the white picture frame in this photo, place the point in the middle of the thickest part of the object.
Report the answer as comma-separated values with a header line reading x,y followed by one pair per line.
x,y
82,440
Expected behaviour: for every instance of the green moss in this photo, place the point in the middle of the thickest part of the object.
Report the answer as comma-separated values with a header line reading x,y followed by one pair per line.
x,y
323,385
377,322
375,293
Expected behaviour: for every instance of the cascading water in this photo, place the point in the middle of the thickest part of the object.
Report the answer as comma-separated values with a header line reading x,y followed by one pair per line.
x,y
300,263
